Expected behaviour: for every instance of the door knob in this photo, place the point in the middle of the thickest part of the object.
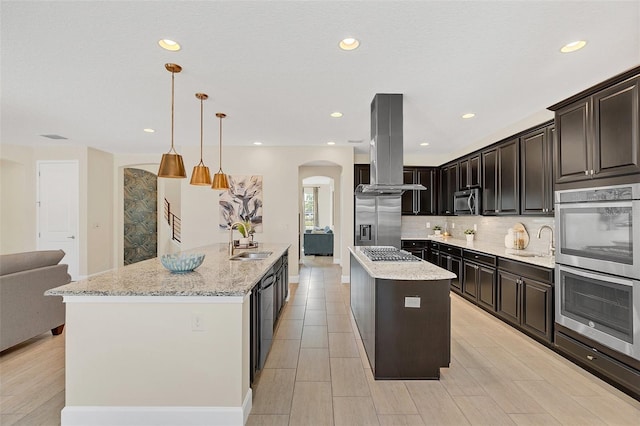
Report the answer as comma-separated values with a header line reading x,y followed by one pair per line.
x,y
73,237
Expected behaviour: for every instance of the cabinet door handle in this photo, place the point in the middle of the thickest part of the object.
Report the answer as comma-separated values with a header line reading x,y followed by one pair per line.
x,y
591,172
591,357
475,257
586,172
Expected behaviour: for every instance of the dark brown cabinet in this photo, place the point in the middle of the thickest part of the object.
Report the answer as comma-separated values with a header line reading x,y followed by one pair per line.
x,y
450,258
361,174
415,247
432,252
598,136
479,279
470,172
448,186
526,301
500,179
420,202
536,165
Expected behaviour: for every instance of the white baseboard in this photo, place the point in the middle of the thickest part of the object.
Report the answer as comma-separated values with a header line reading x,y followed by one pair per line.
x,y
336,261
345,279
156,416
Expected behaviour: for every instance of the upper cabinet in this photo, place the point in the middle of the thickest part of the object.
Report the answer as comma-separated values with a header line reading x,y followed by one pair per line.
x,y
537,175
361,174
420,202
448,186
598,131
500,179
470,172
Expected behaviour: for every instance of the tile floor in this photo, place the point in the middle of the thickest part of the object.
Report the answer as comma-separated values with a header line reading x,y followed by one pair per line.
x,y
317,372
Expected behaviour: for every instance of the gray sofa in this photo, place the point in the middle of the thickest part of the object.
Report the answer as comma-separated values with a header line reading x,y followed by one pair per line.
x,y
319,243
25,311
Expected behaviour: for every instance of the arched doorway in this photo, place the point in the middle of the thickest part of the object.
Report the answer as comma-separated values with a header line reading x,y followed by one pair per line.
x,y
318,216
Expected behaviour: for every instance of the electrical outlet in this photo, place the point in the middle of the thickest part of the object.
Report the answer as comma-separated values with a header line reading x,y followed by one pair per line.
x,y
453,225
411,302
197,322
475,227
428,225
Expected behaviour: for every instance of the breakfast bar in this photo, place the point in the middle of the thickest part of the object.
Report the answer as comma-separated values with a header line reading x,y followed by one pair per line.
x,y
402,308
147,346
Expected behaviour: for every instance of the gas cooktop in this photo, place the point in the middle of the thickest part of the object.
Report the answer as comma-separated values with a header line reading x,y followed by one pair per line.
x,y
388,254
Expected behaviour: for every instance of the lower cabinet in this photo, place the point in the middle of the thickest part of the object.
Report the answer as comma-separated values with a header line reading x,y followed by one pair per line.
x,y
265,305
415,247
524,301
450,258
432,252
479,279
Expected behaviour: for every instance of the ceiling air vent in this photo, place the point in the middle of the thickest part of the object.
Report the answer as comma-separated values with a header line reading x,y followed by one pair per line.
x,y
355,140
52,136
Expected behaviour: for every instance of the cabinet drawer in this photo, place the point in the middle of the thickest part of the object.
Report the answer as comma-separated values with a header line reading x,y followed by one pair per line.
x,y
600,362
485,259
434,246
454,251
526,270
418,244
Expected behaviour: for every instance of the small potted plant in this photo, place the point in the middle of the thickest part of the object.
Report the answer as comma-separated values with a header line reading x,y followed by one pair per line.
x,y
437,229
245,229
469,233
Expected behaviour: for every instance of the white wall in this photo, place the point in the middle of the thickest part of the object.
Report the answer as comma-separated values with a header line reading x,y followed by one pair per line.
x,y
18,231
18,205
100,211
282,187
324,205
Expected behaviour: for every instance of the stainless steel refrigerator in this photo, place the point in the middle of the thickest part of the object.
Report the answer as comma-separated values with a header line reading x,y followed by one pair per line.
x,y
378,220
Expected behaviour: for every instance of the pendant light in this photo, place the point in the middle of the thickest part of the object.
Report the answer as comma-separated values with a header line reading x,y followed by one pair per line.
x,y
220,179
171,165
201,175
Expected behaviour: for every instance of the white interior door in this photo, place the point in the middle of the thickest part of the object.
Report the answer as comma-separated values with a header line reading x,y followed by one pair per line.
x,y
58,208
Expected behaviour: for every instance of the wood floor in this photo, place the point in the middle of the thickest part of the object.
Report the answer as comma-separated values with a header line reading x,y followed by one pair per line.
x,y
317,374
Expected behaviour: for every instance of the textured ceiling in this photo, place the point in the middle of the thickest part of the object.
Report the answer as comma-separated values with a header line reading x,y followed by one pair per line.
x,y
92,70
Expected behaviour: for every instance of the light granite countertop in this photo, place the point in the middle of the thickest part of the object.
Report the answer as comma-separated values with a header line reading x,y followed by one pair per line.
x,y
526,256
217,276
410,271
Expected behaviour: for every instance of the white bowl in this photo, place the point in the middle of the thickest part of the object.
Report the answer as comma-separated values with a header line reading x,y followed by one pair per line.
x,y
182,262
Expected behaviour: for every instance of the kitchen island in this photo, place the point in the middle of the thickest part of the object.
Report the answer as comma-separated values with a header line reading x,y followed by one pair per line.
x,y
403,314
145,346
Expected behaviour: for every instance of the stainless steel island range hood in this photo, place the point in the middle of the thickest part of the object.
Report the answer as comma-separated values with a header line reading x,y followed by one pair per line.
x,y
378,217
386,151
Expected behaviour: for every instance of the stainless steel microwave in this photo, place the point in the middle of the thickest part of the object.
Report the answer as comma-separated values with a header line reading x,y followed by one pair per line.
x,y
467,202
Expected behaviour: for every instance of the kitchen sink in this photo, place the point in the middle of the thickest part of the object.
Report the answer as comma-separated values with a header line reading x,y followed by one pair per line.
x,y
525,253
248,255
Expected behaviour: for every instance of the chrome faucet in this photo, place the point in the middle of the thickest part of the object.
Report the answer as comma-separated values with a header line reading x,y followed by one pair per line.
x,y
231,228
552,248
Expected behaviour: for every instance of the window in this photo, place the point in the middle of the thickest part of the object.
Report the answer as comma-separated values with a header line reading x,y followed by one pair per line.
x,y
310,207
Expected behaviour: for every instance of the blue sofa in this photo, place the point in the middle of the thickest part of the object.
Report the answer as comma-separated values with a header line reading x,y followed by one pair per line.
x,y
319,243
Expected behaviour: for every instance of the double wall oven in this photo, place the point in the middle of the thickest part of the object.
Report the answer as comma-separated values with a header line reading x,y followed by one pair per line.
x,y
598,265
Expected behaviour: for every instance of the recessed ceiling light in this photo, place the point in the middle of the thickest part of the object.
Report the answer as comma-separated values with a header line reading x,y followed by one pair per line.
x,y
167,44
469,115
349,43
257,143
148,130
336,114
573,46
331,143
424,144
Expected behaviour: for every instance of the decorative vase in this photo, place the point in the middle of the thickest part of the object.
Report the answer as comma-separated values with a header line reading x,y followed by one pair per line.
x,y
437,232
469,238
245,241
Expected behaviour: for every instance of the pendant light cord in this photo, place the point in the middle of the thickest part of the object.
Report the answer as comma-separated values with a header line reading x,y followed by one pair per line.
x,y
201,102
172,84
220,170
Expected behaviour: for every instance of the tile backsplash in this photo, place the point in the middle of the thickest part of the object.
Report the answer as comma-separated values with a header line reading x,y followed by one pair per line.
x,y
491,229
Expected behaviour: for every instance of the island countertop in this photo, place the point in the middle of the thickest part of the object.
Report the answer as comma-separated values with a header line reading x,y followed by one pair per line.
x,y
217,276
408,271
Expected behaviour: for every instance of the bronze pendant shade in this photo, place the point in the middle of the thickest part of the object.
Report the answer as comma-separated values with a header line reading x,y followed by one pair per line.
x,y
171,165
220,179
201,175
